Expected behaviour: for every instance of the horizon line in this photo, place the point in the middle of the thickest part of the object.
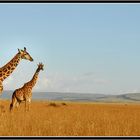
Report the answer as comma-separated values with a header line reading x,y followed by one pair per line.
x,y
79,92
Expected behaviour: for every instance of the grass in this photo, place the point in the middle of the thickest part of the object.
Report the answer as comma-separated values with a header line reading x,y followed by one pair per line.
x,y
70,119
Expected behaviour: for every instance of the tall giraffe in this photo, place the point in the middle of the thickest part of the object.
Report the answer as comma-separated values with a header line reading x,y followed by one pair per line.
x,y
25,93
7,69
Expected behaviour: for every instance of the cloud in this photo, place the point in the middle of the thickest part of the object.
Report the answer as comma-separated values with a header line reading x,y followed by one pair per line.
x,y
88,82
8,82
56,82
66,83
41,84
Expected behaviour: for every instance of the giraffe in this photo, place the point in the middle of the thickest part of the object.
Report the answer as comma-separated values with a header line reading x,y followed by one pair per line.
x,y
7,69
25,92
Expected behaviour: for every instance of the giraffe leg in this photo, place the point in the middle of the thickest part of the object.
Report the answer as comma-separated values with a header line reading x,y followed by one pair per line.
x,y
1,89
29,104
13,104
26,105
17,104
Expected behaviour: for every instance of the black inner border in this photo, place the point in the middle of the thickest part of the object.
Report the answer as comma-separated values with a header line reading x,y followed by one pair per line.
x,y
69,1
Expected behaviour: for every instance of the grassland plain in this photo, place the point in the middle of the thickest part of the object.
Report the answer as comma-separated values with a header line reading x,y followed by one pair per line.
x,y
48,118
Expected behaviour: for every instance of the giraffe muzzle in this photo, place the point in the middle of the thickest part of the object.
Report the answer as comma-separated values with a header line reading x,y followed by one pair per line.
x,y
31,59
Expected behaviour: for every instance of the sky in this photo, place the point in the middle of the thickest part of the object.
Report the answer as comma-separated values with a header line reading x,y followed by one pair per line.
x,y
86,48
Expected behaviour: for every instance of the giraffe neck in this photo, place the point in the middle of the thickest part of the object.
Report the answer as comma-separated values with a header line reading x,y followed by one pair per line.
x,y
7,69
34,79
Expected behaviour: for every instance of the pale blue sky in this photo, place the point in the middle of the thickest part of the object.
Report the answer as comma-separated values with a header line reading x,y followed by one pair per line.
x,y
90,48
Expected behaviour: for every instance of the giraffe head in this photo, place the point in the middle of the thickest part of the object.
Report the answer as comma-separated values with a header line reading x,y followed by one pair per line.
x,y
25,55
40,66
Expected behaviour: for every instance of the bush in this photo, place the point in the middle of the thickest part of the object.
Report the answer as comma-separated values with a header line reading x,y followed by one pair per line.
x,y
53,104
64,104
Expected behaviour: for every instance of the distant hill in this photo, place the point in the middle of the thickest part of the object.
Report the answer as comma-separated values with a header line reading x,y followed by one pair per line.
x,y
130,97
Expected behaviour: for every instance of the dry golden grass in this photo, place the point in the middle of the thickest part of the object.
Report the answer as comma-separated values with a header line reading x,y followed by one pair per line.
x,y
70,119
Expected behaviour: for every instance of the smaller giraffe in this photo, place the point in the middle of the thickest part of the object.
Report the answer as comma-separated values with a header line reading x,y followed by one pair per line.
x,y
25,93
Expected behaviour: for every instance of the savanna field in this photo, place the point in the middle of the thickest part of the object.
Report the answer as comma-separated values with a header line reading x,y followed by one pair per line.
x,y
48,118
